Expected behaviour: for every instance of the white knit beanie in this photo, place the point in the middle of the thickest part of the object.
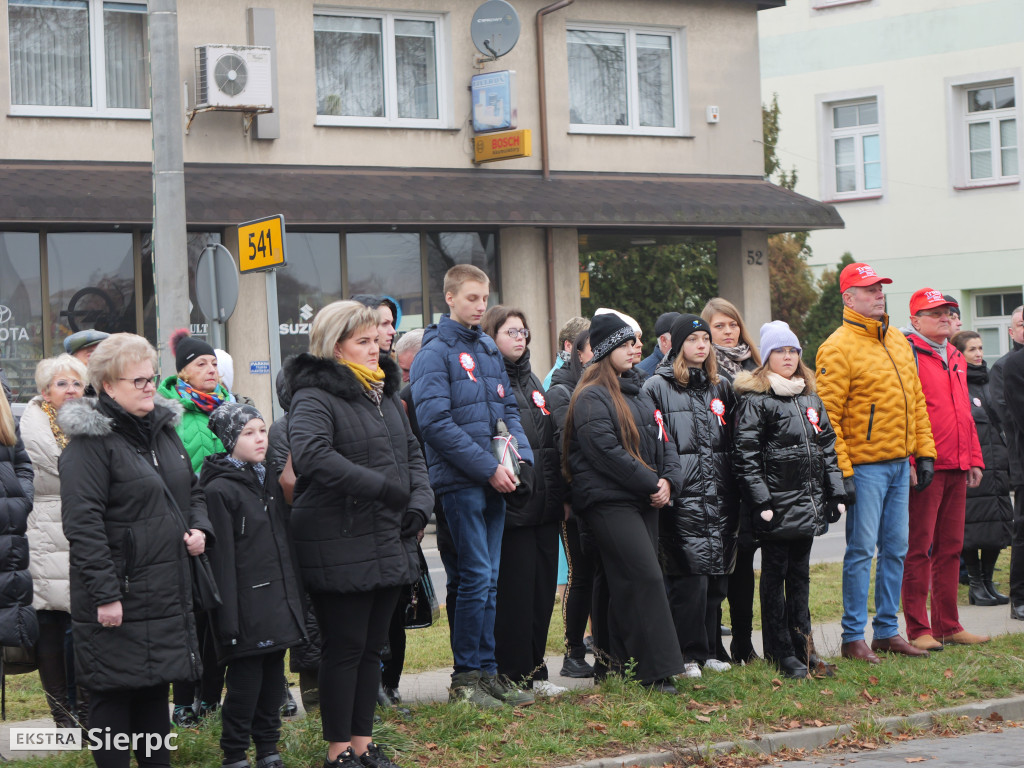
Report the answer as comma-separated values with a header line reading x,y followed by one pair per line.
x,y
777,334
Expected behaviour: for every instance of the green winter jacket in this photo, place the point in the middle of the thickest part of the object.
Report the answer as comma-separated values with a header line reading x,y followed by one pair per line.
x,y
193,429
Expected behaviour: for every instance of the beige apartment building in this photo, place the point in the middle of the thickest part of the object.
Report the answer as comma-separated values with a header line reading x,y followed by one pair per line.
x,y
650,129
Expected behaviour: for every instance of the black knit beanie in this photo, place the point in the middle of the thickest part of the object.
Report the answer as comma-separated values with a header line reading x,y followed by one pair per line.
x,y
684,326
229,419
187,348
608,331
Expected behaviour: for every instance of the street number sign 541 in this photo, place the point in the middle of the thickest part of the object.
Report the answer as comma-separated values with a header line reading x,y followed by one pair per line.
x,y
261,244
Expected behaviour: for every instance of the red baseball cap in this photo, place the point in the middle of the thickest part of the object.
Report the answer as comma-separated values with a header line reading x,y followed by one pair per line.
x,y
859,275
928,298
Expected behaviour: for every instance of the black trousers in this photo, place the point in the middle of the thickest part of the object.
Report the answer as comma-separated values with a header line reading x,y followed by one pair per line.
x,y
450,561
639,619
1017,549
210,686
136,710
394,662
785,594
252,705
741,597
527,580
354,626
695,602
579,589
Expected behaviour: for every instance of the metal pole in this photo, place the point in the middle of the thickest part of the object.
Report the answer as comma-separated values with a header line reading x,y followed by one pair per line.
x,y
170,243
216,324
274,335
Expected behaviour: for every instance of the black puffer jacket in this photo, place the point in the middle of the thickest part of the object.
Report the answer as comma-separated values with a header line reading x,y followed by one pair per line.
x,y
602,469
127,543
989,521
277,435
18,624
782,463
698,531
544,503
252,561
360,471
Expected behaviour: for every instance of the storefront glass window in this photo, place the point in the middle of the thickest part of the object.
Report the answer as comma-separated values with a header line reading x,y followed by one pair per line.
x,y
311,280
198,326
446,249
388,264
92,283
21,311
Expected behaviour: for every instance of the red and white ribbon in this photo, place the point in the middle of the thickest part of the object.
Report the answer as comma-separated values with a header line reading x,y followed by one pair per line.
x,y
812,416
718,408
468,363
540,402
508,446
662,434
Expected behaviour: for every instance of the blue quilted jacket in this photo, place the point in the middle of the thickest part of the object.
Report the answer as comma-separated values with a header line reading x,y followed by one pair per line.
x,y
457,412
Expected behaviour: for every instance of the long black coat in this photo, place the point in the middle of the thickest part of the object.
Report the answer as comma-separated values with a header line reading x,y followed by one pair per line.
x,y
544,503
127,543
251,560
360,471
698,531
18,624
989,521
602,469
782,463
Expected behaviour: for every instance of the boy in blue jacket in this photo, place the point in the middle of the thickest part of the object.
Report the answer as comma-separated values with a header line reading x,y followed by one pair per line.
x,y
460,390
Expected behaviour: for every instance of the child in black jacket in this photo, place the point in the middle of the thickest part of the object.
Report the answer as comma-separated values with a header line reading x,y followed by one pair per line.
x,y
261,614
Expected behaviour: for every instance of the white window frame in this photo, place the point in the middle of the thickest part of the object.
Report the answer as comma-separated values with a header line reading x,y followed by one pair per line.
x,y
999,323
97,75
958,118
822,5
442,49
826,145
680,84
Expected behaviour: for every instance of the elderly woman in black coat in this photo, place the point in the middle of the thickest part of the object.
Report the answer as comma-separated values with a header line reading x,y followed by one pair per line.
x,y
362,496
133,513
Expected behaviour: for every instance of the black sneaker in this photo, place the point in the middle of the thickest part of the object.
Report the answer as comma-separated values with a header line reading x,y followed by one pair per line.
x,y
288,707
393,695
578,668
346,759
243,763
373,757
184,717
273,760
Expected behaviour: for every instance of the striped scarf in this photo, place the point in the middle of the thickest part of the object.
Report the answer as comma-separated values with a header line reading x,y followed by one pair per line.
x,y
205,401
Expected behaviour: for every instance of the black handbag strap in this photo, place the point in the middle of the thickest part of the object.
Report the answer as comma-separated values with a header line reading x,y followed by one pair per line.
x,y
170,497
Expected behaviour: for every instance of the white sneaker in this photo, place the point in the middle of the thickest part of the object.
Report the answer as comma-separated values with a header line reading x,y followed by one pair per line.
x,y
547,688
717,666
691,669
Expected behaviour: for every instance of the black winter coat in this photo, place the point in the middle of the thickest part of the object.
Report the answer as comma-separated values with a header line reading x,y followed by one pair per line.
x,y
989,520
998,391
782,463
359,471
544,503
127,543
252,561
698,531
602,469
18,625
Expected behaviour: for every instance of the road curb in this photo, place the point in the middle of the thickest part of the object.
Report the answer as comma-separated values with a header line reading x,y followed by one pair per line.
x,y
813,738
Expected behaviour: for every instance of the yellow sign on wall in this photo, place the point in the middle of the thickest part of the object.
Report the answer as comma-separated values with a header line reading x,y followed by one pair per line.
x,y
502,146
584,285
261,244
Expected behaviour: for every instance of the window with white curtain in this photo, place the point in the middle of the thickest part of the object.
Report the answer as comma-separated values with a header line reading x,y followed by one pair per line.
x,y
380,69
991,120
626,80
79,58
854,149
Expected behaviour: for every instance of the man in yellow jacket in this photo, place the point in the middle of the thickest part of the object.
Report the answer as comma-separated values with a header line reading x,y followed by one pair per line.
x,y
868,381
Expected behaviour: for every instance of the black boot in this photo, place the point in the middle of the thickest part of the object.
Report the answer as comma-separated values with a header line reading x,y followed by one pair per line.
x,y
988,568
1017,612
978,595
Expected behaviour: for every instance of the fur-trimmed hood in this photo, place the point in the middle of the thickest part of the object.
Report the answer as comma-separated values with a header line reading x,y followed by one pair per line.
x,y
306,370
86,417
747,383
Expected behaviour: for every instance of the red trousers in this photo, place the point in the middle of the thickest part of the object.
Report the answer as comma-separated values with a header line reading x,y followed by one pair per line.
x,y
933,555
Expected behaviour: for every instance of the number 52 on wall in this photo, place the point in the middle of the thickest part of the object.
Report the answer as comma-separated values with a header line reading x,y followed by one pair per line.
x,y
261,244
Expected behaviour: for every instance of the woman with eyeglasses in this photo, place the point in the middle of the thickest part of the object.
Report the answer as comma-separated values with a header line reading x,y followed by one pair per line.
x,y
528,574
60,380
133,513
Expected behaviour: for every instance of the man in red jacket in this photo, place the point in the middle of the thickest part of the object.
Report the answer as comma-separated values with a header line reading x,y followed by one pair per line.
x,y
937,512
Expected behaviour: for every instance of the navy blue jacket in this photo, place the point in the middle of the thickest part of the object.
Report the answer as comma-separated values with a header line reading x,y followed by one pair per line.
x,y
457,413
650,363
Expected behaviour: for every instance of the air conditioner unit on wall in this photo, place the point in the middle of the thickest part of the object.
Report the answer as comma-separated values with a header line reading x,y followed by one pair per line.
x,y
236,77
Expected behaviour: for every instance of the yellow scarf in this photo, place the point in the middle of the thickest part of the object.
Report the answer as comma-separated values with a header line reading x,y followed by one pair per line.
x,y
365,376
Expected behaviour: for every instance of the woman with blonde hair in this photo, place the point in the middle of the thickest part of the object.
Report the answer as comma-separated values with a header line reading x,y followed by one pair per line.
x,y
360,500
59,380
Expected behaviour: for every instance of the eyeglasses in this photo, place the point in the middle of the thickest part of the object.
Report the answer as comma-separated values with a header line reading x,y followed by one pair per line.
x,y
935,312
65,384
513,332
141,381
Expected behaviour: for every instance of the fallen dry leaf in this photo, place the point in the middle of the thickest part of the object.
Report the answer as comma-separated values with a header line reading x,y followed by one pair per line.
x,y
873,680
948,674
914,759
703,718
995,717
630,723
798,705
825,692
599,727
794,724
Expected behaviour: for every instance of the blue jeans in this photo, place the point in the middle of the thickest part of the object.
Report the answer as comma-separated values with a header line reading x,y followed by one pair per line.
x,y
881,519
476,518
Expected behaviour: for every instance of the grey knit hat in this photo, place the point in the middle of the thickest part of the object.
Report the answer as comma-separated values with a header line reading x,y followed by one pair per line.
x,y
229,419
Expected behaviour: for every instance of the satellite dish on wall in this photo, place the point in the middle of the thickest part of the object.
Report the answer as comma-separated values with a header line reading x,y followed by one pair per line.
x,y
495,28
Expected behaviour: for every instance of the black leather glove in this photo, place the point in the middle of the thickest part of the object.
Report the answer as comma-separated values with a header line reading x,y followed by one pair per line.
x,y
925,473
832,509
394,497
412,523
851,491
